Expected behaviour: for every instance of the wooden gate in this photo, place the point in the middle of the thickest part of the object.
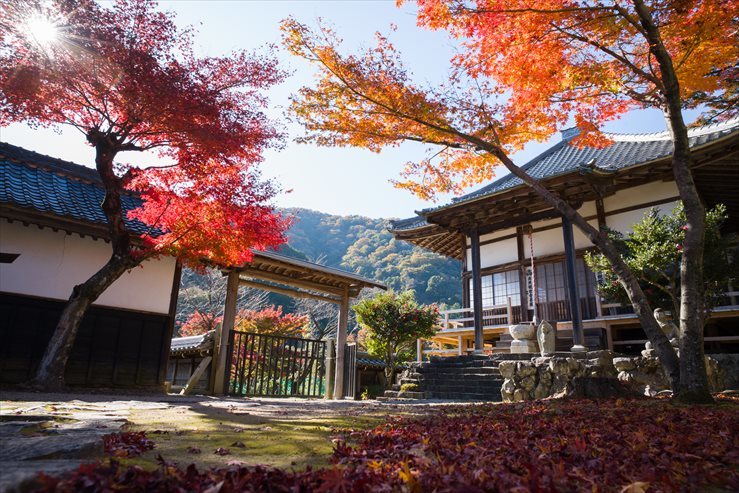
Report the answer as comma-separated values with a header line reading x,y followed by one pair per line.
x,y
266,365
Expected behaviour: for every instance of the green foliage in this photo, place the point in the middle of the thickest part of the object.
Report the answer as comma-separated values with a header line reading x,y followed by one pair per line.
x,y
393,321
363,245
409,387
653,251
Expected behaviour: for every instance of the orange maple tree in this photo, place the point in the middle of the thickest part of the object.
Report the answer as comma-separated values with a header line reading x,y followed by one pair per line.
x,y
128,79
526,69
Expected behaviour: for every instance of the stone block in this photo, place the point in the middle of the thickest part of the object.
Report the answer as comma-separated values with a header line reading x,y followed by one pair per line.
x,y
603,354
525,369
523,346
575,367
624,364
541,361
519,395
528,383
507,369
625,377
558,366
541,391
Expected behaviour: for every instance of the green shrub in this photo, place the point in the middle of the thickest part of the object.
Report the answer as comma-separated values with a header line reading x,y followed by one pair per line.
x,y
410,387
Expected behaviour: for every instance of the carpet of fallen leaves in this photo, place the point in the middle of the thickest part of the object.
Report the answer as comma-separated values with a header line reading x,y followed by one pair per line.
x,y
626,446
127,444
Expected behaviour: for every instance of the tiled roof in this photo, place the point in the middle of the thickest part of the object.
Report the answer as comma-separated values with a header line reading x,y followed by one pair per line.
x,y
191,343
364,359
47,185
564,157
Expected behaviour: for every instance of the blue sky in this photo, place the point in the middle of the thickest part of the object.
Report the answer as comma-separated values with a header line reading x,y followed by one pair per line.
x,y
333,180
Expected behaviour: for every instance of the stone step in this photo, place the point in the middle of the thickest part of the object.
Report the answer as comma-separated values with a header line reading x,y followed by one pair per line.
x,y
409,381
460,358
462,396
470,379
464,371
452,389
398,400
425,367
412,395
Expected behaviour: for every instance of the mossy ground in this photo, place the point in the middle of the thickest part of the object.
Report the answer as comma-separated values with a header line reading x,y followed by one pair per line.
x,y
285,433
283,442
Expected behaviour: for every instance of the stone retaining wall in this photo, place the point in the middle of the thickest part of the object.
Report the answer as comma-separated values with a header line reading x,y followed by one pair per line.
x,y
553,376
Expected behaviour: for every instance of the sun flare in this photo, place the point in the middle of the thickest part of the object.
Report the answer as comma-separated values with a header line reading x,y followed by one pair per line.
x,y
42,30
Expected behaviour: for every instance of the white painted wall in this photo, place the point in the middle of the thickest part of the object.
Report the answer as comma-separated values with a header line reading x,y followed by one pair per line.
x,y
650,192
497,234
500,252
51,263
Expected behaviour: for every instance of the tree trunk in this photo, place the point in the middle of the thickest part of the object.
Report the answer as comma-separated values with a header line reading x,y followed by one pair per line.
x,y
693,378
50,375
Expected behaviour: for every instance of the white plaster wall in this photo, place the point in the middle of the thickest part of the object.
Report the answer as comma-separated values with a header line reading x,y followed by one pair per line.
x,y
500,252
51,263
498,234
548,242
581,241
638,195
623,222
588,209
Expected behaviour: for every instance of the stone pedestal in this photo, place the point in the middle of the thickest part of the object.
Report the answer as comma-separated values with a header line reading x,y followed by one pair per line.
x,y
523,338
523,346
578,349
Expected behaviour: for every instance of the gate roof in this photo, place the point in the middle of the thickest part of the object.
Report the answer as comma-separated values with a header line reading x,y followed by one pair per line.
x,y
278,273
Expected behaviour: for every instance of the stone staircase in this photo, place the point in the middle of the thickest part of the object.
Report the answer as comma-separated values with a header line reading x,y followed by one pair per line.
x,y
473,377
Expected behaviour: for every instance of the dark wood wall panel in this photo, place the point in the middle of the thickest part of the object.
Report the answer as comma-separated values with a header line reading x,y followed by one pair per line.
x,y
114,348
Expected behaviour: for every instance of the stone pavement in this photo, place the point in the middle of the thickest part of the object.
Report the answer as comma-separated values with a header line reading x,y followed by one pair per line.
x,y
53,433
53,436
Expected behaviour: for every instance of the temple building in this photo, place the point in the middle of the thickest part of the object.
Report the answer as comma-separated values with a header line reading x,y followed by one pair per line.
x,y
504,232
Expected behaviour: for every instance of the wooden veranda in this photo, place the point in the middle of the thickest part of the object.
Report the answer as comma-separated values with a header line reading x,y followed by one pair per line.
x,y
292,277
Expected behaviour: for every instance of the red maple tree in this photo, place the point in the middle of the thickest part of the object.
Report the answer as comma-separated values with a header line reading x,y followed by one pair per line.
x,y
270,320
128,79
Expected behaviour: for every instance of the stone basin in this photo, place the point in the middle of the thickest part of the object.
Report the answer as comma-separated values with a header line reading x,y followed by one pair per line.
x,y
522,331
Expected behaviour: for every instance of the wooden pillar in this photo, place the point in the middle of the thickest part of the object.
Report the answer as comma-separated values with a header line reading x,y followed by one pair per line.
x,y
600,212
229,319
419,350
522,287
341,333
477,291
330,364
578,338
465,277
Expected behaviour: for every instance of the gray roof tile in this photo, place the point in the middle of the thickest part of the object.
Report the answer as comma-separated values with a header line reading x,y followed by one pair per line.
x,y
564,157
48,185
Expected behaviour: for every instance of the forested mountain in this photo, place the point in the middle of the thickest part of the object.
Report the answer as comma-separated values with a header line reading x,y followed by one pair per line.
x,y
364,246
357,244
